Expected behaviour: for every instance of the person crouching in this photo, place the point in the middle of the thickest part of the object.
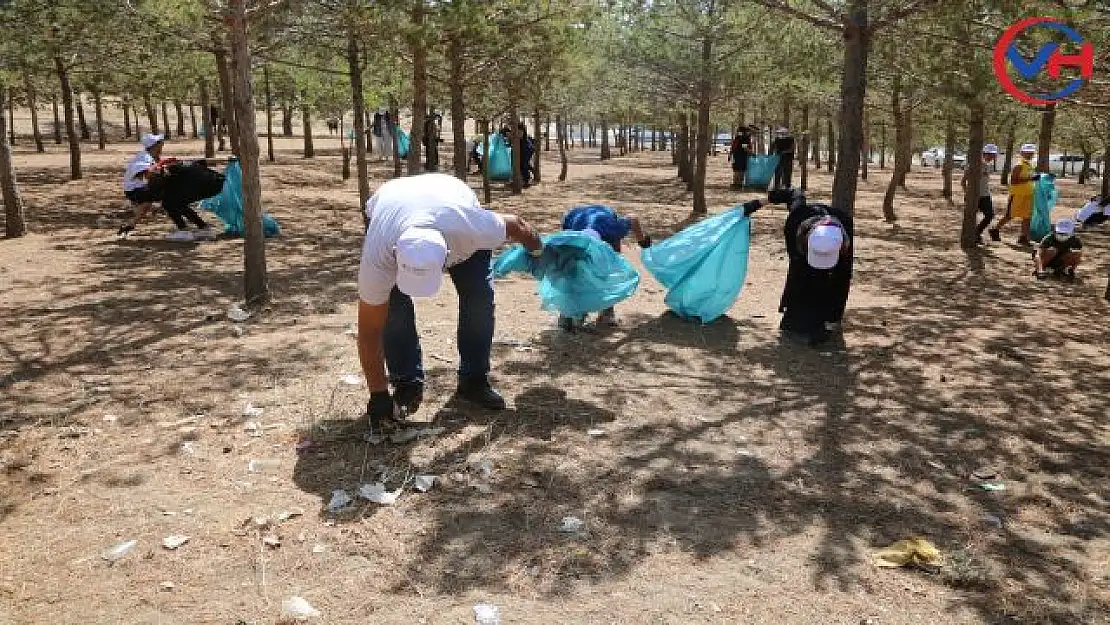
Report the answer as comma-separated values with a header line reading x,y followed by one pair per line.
x,y
1059,252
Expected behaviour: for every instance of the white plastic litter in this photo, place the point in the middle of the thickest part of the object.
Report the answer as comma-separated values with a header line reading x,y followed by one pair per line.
x,y
237,314
351,379
189,448
251,411
298,609
424,483
595,432
487,614
377,493
261,466
339,500
253,428
174,541
167,586
484,467
571,525
319,548
119,551
288,514
110,418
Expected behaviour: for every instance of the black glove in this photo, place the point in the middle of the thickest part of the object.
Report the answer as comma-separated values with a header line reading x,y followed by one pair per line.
x,y
780,196
379,409
408,395
752,206
645,242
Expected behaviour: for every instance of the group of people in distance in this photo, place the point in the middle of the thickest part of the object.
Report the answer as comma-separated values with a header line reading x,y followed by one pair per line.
x,y
421,227
741,150
1060,251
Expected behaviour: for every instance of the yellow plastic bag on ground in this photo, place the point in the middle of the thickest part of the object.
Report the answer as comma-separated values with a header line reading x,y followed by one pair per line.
x,y
914,550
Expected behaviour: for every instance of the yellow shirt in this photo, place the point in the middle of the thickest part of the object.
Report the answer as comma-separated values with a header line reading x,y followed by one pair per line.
x,y
1021,171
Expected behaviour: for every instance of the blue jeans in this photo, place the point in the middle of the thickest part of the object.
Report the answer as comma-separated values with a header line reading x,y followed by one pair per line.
x,y
475,334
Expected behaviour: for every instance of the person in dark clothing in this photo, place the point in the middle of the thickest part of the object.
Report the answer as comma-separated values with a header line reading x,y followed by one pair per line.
x,y
819,244
181,184
527,150
783,145
431,143
738,155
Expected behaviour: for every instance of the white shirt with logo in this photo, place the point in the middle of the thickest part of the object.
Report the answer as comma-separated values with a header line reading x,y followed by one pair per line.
x,y
437,201
137,165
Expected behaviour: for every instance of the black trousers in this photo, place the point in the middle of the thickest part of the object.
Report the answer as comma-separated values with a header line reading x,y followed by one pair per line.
x,y
180,212
986,206
784,171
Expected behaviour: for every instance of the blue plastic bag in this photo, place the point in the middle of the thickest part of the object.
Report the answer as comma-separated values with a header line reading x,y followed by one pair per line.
x,y
1044,200
578,273
228,205
703,266
402,142
500,161
761,168
600,218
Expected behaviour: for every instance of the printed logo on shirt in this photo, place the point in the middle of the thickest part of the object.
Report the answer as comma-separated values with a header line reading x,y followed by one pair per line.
x,y
1020,40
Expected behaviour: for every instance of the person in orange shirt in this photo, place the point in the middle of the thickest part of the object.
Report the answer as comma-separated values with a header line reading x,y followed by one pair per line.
x,y
1020,205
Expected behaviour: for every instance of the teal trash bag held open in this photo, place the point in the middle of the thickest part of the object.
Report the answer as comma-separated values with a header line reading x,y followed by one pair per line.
x,y
402,141
500,161
578,273
761,168
1044,200
228,205
704,266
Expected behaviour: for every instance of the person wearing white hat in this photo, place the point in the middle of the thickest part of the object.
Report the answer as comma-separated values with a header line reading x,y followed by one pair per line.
x,y
986,204
1060,250
420,227
1095,212
136,181
1020,203
783,145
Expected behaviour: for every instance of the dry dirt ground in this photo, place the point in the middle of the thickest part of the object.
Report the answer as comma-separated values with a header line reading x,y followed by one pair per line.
x,y
722,476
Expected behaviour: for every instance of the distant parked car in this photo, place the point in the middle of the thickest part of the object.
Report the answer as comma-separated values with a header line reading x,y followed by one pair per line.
x,y
934,157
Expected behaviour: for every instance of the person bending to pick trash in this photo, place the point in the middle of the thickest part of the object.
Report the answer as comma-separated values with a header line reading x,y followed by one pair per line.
x,y
1095,212
1020,205
1060,250
136,179
610,227
420,227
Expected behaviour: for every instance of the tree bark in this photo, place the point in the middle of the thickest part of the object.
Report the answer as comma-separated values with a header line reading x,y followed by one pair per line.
x,y
254,244
57,121
227,96
606,153
180,113
882,146
287,120
561,141
830,132
269,114
1044,141
803,161
517,183
419,89
949,157
32,103
98,104
1106,171
206,117
71,129
705,103
486,191
536,150
1085,167
395,115
306,125
15,225
976,132
1008,161
11,113
355,68
78,102
456,85
853,91
151,115
166,119
817,145
193,121
898,113
865,149
126,117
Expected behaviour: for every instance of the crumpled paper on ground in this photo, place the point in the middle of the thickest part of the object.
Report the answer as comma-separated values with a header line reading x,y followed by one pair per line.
x,y
915,550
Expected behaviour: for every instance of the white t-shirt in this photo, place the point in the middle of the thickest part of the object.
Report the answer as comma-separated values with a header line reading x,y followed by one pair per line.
x,y
1090,208
437,201
137,165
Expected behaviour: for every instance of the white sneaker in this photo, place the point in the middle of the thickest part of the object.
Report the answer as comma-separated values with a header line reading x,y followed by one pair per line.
x,y
205,234
183,236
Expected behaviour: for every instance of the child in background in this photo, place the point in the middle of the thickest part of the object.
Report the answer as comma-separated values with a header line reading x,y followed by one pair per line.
x,y
1060,250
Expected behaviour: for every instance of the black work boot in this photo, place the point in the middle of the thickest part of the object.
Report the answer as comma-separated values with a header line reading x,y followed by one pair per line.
x,y
477,390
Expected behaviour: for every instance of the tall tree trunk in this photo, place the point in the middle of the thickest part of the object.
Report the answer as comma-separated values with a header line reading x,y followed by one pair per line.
x,y
254,244
456,85
193,121
705,102
11,113
206,116
1106,171
949,156
1008,161
180,113
976,132
71,128
606,153
269,114
865,149
517,183
306,124
78,102
882,146
1044,142
830,131
287,120
761,142
536,149
98,104
803,161
227,97
395,115
166,128
817,144
486,191
905,145
32,103
355,68
14,223
547,134
151,114
898,113
57,120
419,89
786,112
127,117
1085,167
561,141
853,91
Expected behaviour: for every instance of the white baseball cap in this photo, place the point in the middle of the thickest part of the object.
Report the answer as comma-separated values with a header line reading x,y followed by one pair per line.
x,y
1065,226
823,246
150,140
990,148
421,255
1028,148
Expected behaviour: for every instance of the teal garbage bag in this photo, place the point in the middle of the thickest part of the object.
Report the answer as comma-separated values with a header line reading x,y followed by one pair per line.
x,y
1044,200
578,273
704,266
500,161
761,168
228,205
402,142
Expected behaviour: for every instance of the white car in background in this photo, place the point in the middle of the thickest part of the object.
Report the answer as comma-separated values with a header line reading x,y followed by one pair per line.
x,y
934,157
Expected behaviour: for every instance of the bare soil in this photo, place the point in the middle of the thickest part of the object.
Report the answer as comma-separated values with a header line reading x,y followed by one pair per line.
x,y
728,478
